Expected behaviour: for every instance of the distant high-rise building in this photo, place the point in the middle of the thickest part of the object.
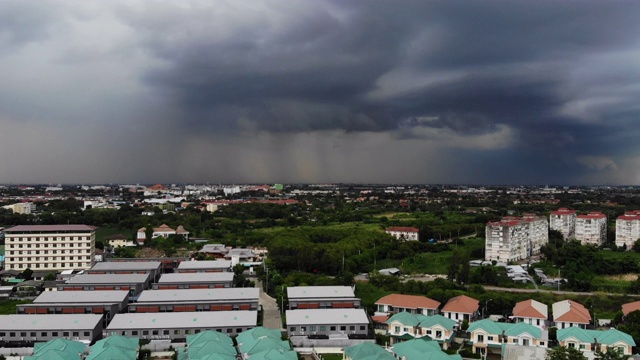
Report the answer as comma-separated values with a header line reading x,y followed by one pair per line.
x,y
563,220
515,238
50,247
628,229
591,228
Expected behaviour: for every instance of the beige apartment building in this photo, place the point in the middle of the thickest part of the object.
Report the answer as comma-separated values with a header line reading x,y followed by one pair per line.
x,y
50,247
628,229
564,220
591,228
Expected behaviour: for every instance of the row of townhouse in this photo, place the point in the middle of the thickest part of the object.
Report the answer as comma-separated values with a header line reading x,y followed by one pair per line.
x,y
408,350
515,238
588,228
458,309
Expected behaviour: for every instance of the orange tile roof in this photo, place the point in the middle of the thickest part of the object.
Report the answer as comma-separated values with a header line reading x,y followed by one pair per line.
x,y
409,301
576,313
526,309
630,307
380,318
462,304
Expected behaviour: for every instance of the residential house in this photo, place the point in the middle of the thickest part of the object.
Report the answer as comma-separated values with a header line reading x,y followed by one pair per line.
x,y
630,307
174,281
20,330
406,326
134,283
367,351
531,312
568,313
336,322
403,232
163,231
421,349
489,336
185,300
592,340
321,297
204,266
208,345
395,303
461,308
119,240
115,347
58,349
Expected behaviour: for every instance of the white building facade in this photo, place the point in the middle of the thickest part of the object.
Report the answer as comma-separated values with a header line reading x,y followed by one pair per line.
x,y
564,220
628,229
591,228
50,247
514,238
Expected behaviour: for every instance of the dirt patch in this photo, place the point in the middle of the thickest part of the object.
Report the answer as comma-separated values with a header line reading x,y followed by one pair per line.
x,y
625,277
149,252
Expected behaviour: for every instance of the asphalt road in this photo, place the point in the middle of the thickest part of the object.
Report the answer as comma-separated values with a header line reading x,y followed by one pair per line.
x,y
271,314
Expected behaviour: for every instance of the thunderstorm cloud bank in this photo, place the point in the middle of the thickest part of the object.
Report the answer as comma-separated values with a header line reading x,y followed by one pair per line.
x,y
486,92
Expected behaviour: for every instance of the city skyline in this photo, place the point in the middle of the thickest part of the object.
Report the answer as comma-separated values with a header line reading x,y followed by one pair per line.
x,y
411,92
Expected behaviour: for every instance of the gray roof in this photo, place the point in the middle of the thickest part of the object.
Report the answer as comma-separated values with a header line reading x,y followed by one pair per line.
x,y
195,277
64,297
199,295
49,322
313,292
126,265
108,279
208,264
171,320
50,228
326,316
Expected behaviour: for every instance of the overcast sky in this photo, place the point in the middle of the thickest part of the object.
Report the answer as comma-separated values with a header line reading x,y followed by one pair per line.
x,y
473,92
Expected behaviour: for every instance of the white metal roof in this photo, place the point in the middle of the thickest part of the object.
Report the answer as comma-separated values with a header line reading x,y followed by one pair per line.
x,y
126,265
49,322
326,316
199,295
195,277
207,264
63,297
312,292
108,279
172,320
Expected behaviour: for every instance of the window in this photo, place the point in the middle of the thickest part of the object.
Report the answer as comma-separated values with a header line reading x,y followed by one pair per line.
x,y
428,332
332,328
87,333
145,332
43,334
489,338
228,331
66,333
313,328
362,327
156,332
2,333
134,332
480,338
23,334
54,334
352,327
238,330
541,343
582,347
396,329
165,332
571,345
187,332
323,328
176,332
12,334
33,334
343,327
292,328
439,334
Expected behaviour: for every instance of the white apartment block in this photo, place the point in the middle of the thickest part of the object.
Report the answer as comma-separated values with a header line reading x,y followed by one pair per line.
x,y
564,220
628,229
515,238
50,247
591,228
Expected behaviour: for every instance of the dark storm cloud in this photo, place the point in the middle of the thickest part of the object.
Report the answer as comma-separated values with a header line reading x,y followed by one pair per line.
x,y
481,84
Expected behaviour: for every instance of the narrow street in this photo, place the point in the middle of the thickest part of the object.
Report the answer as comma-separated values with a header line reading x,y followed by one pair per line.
x,y
271,313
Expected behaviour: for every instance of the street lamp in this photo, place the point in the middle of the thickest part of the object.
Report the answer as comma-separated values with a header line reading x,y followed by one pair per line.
x,y
484,312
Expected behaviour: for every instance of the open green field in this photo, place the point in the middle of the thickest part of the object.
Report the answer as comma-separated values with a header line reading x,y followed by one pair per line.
x,y
437,262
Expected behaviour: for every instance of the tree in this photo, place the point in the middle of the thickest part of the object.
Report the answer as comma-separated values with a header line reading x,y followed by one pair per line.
x,y
636,246
26,274
611,354
564,353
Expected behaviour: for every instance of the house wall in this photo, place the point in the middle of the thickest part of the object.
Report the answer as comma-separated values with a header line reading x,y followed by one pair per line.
x,y
192,306
323,303
327,329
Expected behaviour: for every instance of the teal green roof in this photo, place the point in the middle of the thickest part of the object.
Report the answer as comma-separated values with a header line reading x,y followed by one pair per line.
x,y
430,321
406,318
62,349
608,337
367,351
414,349
275,354
54,355
208,345
264,344
249,337
497,328
207,336
204,348
115,347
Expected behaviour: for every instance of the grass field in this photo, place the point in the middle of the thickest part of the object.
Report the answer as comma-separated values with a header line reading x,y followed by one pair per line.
x,y
8,307
437,263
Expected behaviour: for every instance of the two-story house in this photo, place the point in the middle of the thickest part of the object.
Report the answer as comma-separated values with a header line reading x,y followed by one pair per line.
x,y
406,326
395,303
592,340
531,312
489,337
568,313
461,308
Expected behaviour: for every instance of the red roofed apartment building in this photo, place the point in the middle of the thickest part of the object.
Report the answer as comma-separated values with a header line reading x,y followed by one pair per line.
x,y
568,313
628,229
563,220
461,308
591,228
515,238
403,232
531,312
